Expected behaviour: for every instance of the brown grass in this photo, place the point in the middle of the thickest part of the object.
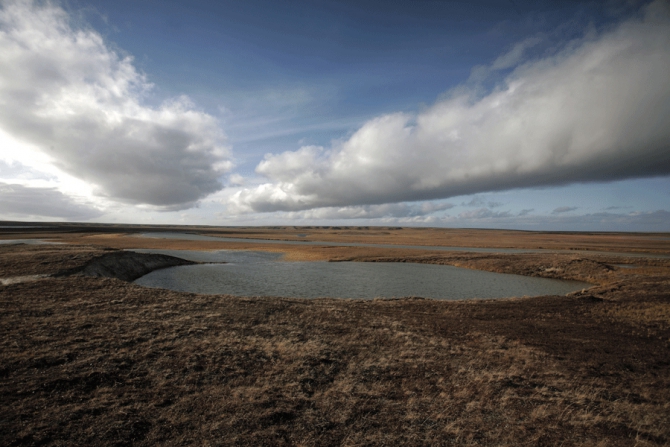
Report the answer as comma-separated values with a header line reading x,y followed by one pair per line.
x,y
627,242
99,361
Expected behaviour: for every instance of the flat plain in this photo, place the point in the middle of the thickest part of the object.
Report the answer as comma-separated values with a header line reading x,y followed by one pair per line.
x,y
100,361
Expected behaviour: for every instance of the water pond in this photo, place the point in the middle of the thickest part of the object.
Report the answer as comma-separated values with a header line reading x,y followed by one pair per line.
x,y
252,273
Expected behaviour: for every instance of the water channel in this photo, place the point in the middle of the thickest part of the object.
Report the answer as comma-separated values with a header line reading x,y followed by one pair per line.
x,y
254,273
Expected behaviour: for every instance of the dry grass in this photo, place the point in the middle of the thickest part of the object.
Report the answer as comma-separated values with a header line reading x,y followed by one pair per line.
x,y
117,236
627,242
99,361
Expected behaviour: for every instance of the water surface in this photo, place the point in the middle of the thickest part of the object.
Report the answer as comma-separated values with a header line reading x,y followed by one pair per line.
x,y
250,273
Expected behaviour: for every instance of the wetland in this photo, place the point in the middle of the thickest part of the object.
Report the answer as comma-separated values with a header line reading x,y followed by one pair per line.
x,y
87,357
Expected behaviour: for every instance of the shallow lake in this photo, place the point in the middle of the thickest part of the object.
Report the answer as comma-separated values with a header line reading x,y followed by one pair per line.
x,y
252,273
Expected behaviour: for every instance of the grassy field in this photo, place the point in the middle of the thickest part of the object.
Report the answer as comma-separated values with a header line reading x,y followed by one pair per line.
x,y
100,361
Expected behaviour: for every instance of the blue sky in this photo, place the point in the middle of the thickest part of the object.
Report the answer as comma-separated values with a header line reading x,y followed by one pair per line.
x,y
501,114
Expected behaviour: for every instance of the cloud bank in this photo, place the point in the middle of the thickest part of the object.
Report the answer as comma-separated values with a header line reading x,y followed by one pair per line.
x,y
658,220
563,209
65,91
389,210
22,201
597,110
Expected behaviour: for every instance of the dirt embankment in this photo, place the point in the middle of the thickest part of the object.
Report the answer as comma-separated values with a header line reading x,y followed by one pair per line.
x,y
56,261
125,265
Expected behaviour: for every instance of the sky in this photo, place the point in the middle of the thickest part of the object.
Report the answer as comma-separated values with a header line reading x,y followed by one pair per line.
x,y
531,115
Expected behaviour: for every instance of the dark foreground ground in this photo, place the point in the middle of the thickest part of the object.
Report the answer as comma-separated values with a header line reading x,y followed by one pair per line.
x,y
100,361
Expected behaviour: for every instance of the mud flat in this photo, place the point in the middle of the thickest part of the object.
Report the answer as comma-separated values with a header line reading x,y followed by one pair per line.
x,y
100,361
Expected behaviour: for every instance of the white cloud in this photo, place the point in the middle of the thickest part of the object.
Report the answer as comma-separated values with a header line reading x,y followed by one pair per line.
x,y
484,213
647,221
515,55
24,202
597,110
80,103
479,201
15,170
658,220
236,180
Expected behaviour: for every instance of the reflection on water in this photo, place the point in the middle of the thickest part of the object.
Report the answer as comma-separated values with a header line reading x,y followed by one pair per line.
x,y
249,273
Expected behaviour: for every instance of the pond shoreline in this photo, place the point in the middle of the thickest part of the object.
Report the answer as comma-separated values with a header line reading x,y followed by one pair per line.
x,y
255,273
